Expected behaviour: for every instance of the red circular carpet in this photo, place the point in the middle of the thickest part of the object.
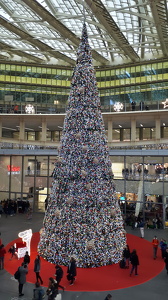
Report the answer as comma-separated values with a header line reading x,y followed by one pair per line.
x,y
106,278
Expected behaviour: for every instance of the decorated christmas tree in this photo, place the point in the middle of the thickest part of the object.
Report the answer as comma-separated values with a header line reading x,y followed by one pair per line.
x,y
83,218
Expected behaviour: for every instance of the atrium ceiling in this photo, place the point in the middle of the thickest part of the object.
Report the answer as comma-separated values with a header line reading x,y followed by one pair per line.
x,y
49,31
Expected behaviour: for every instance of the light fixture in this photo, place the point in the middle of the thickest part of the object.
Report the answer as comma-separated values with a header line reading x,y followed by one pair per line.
x,y
29,109
26,128
41,127
9,128
120,126
164,124
118,106
141,125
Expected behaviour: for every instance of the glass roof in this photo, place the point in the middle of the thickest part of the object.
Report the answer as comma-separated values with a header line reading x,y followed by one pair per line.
x,y
48,31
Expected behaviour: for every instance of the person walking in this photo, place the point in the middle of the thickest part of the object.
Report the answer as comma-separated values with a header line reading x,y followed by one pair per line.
x,y
155,244
71,271
38,292
26,259
12,251
23,270
52,290
166,260
108,297
126,255
134,261
163,247
2,256
37,267
141,227
58,275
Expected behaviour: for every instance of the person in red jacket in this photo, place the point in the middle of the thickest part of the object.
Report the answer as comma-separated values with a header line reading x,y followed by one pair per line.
x,y
2,256
155,243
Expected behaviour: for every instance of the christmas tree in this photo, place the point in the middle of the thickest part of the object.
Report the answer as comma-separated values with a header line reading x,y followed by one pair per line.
x,y
83,218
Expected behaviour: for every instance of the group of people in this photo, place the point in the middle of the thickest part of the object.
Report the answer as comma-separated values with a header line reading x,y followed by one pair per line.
x,y
54,284
130,257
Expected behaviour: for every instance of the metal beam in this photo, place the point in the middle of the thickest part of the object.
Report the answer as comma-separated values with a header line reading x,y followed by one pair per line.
x,y
112,28
20,53
61,28
159,12
36,43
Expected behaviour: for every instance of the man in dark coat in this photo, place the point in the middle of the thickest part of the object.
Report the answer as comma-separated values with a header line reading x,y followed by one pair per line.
x,y
134,261
26,259
166,260
22,278
58,275
71,271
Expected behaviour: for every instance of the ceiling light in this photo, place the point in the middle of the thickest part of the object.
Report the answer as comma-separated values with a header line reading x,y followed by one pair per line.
x,y
9,128
141,125
41,127
26,128
164,124
120,126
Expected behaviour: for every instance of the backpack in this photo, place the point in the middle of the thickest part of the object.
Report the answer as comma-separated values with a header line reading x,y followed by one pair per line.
x,y
17,274
122,264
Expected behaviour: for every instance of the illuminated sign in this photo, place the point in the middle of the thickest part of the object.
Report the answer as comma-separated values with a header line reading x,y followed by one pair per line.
x,y
165,103
118,106
26,237
13,170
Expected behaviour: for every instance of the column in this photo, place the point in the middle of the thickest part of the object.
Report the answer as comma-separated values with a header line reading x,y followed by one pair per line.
x,y
44,130
121,134
157,129
0,129
110,131
133,130
22,130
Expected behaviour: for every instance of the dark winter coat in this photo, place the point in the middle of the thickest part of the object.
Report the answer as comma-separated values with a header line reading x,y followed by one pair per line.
x,y
26,259
134,259
72,268
37,264
23,271
58,273
126,253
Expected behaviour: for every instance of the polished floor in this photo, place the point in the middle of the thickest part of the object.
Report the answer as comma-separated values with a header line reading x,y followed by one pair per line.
x,y
154,289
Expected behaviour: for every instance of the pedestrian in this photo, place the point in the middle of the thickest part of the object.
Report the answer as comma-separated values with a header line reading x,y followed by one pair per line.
x,y
141,227
37,267
166,260
134,261
126,255
71,271
163,247
12,251
2,256
38,292
26,259
23,270
58,275
108,297
155,244
52,290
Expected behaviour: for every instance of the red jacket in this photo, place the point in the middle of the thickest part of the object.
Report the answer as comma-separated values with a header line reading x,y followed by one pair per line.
x,y
155,242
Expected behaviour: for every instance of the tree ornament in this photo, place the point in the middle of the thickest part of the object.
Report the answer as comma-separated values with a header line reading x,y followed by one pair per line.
x,y
82,89
95,160
84,173
41,231
112,212
69,200
85,147
78,135
57,213
90,244
88,186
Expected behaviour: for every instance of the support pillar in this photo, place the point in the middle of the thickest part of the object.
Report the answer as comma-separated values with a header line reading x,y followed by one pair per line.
x,y
22,130
110,131
44,130
133,130
157,129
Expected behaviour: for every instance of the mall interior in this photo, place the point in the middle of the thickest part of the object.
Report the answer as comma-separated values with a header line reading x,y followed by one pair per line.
x,y
132,81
